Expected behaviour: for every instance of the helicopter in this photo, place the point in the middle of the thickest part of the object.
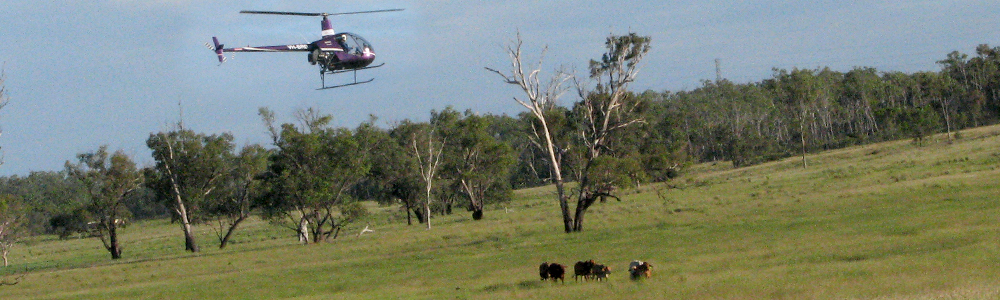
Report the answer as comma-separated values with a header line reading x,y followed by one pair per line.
x,y
335,52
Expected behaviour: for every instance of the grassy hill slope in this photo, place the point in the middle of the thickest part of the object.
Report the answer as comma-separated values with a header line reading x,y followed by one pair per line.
x,y
885,221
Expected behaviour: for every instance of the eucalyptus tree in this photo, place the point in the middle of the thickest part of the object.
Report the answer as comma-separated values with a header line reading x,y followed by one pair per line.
x,y
12,219
968,74
540,98
751,121
597,118
393,177
800,90
190,169
398,167
664,146
863,89
425,145
528,169
308,183
108,181
477,162
445,124
986,66
897,98
918,122
978,75
943,91
394,171
603,115
235,202
44,194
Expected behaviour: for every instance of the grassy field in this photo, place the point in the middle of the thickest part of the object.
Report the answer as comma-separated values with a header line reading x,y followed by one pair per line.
x,y
885,221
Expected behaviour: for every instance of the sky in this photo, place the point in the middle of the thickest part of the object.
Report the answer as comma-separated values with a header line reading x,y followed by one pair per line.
x,y
81,74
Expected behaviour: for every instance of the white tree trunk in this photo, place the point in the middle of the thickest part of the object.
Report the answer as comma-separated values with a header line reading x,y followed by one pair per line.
x,y
304,231
427,172
189,242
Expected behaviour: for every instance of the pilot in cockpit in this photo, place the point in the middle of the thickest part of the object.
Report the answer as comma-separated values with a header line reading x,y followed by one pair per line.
x,y
342,40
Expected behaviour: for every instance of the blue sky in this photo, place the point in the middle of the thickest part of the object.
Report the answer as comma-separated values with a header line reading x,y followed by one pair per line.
x,y
85,73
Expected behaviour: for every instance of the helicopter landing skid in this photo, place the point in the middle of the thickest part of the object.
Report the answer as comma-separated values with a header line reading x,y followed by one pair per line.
x,y
346,84
322,77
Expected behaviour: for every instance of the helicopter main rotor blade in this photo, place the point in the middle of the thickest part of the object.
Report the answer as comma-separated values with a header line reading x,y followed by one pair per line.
x,y
280,13
285,13
365,12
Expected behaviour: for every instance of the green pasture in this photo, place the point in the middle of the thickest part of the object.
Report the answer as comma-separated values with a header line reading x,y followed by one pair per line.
x,y
887,221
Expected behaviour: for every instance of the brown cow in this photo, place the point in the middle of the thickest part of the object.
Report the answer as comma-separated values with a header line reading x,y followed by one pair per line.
x,y
543,271
646,270
640,269
584,269
557,272
600,272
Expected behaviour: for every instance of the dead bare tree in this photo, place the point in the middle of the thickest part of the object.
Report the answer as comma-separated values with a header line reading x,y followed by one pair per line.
x,y
428,167
540,99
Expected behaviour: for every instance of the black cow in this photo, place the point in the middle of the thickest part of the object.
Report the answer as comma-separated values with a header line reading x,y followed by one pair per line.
x,y
583,269
557,272
543,271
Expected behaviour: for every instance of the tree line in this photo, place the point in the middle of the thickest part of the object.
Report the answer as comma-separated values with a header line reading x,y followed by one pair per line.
x,y
803,110
313,177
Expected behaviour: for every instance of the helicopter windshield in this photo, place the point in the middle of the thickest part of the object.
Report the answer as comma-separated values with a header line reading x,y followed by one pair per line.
x,y
353,44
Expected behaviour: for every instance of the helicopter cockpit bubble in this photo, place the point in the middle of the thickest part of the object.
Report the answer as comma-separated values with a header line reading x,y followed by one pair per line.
x,y
353,44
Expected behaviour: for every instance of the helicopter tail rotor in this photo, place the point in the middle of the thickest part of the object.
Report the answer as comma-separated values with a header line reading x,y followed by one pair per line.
x,y
217,48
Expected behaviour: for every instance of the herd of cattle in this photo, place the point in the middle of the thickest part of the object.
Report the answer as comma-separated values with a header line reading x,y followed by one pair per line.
x,y
591,270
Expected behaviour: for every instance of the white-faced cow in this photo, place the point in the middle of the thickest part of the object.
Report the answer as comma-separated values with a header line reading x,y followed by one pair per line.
x,y
640,269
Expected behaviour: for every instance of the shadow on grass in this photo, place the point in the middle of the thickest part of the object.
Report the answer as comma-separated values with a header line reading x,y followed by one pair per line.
x,y
523,285
38,267
924,247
